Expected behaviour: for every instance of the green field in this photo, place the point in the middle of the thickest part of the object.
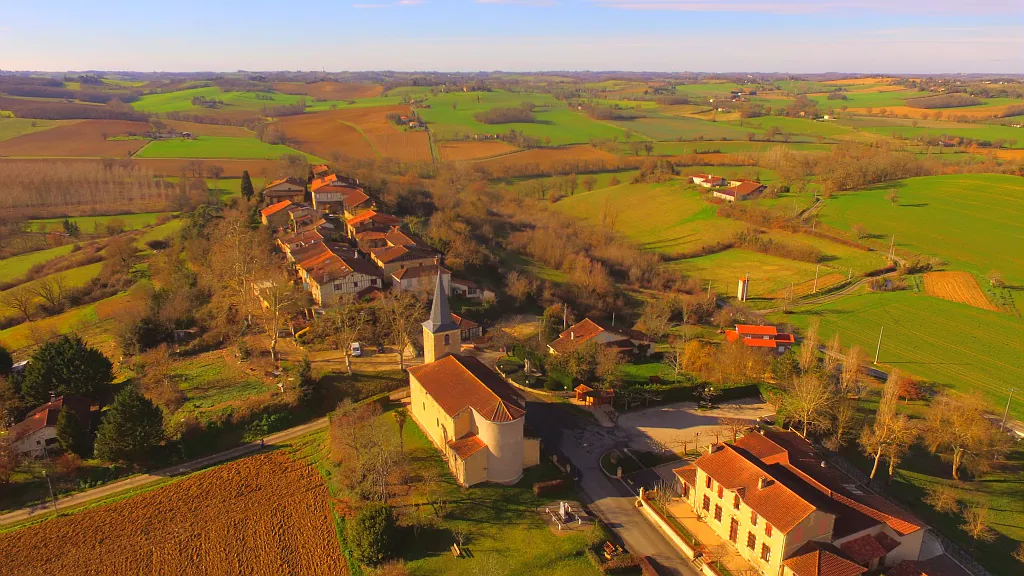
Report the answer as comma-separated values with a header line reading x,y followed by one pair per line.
x,y
768,274
14,127
89,224
217,147
710,88
799,128
163,231
73,278
555,121
946,342
973,221
914,129
181,100
17,266
665,128
733,147
867,99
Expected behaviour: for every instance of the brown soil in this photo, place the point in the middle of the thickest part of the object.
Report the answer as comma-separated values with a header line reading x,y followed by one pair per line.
x,y
957,287
209,129
456,151
172,166
549,157
82,139
331,90
263,515
357,133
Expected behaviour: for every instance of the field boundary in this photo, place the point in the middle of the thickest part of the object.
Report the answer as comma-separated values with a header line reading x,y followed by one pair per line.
x,y
365,137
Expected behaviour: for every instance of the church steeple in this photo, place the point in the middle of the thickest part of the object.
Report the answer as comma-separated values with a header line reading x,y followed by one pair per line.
x,y
440,332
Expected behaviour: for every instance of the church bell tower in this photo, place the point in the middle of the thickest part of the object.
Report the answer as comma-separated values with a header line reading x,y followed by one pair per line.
x,y
441,335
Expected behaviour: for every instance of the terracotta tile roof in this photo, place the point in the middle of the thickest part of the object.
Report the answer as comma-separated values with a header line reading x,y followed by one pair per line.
x,y
466,446
458,382
583,388
390,254
738,470
319,183
820,559
294,181
320,169
375,217
586,329
329,261
687,474
275,208
864,549
762,448
431,270
396,237
366,235
46,415
466,283
744,188
464,323
349,196
941,565
883,511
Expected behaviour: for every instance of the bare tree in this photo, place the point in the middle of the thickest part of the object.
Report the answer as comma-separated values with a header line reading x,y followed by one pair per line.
x,y
833,355
943,498
278,298
346,324
809,400
958,424
735,426
656,319
675,360
892,196
53,290
402,313
809,346
401,417
874,439
519,286
975,524
20,300
850,375
844,419
903,435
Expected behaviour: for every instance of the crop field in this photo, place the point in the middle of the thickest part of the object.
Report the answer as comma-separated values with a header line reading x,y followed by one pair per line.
x,y
16,266
331,90
669,217
232,167
263,515
945,342
733,147
538,159
958,218
72,278
456,151
555,122
89,224
957,287
839,257
14,127
209,129
357,133
667,128
214,147
181,101
710,88
798,289
992,108
215,382
86,138
904,128
321,134
801,128
768,274
868,99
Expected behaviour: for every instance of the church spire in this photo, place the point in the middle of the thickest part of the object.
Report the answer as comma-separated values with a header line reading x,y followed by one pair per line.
x,y
440,314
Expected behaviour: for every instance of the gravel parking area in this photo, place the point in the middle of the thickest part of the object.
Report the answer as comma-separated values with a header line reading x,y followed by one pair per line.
x,y
671,424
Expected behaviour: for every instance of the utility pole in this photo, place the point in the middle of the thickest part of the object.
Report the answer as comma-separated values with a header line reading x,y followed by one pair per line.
x,y
850,275
879,348
1007,409
50,486
892,246
816,270
565,314
709,289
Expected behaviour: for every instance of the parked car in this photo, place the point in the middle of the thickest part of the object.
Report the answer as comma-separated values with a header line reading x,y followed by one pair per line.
x,y
356,349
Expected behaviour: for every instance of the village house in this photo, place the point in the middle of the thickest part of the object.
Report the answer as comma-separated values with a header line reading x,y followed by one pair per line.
x,y
468,330
756,336
318,183
298,240
471,290
284,189
341,199
369,239
37,433
788,512
319,170
707,180
393,258
301,215
421,279
329,270
468,412
629,342
740,190
371,220
276,215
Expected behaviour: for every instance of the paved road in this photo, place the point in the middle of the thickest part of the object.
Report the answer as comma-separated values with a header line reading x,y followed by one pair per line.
x,y
144,479
583,443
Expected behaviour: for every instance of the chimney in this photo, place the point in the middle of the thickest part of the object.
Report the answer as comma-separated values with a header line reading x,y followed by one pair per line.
x,y
572,335
822,463
763,483
53,396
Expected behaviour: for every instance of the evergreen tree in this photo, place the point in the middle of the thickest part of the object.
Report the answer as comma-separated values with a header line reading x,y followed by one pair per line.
x,y
247,190
73,434
65,366
372,533
6,362
307,383
131,428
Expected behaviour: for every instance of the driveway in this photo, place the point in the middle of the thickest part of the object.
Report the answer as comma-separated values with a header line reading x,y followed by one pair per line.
x,y
672,424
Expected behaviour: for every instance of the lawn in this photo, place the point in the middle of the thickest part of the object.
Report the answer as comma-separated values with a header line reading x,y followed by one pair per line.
x,y
768,274
14,127
973,221
162,232
17,266
90,224
669,217
949,343
555,121
217,147
215,382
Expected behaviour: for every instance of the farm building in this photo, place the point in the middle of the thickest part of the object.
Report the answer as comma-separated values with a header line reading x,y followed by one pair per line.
x,y
470,289
708,180
740,190
470,414
285,189
37,433
760,337
787,512
631,342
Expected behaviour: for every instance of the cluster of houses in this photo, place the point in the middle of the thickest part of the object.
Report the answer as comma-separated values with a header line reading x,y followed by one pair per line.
x,y
341,244
729,190
787,511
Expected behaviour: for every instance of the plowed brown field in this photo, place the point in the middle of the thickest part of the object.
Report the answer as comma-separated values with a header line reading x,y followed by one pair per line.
x,y
209,129
456,151
81,139
172,166
957,287
331,90
804,288
264,515
973,112
549,157
357,133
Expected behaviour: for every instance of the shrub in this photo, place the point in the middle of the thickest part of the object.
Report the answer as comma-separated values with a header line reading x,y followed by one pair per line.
x,y
372,533
157,244
522,113
623,564
548,487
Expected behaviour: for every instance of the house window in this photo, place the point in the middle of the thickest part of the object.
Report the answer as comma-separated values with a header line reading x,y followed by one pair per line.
x,y
447,339
766,552
718,513
707,481
720,491
736,501
686,491
751,540
734,530
753,518
767,529
707,503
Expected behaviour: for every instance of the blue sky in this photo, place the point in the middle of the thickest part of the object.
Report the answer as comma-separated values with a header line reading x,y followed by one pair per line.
x,y
886,36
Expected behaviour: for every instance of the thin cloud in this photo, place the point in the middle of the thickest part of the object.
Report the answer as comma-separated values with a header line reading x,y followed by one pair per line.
x,y
519,2
807,7
391,5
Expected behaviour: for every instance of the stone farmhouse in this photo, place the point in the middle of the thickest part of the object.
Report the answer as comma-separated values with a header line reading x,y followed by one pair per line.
x,y
284,189
629,342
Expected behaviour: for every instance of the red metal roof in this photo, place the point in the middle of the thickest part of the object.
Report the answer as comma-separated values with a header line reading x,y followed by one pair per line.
x,y
751,329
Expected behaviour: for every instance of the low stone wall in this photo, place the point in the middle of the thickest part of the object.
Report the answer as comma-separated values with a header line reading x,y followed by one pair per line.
x,y
655,518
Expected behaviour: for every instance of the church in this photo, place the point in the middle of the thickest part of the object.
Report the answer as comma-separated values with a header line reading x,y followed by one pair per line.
x,y
468,411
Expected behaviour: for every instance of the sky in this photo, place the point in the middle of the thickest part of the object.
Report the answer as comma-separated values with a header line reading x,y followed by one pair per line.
x,y
797,36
